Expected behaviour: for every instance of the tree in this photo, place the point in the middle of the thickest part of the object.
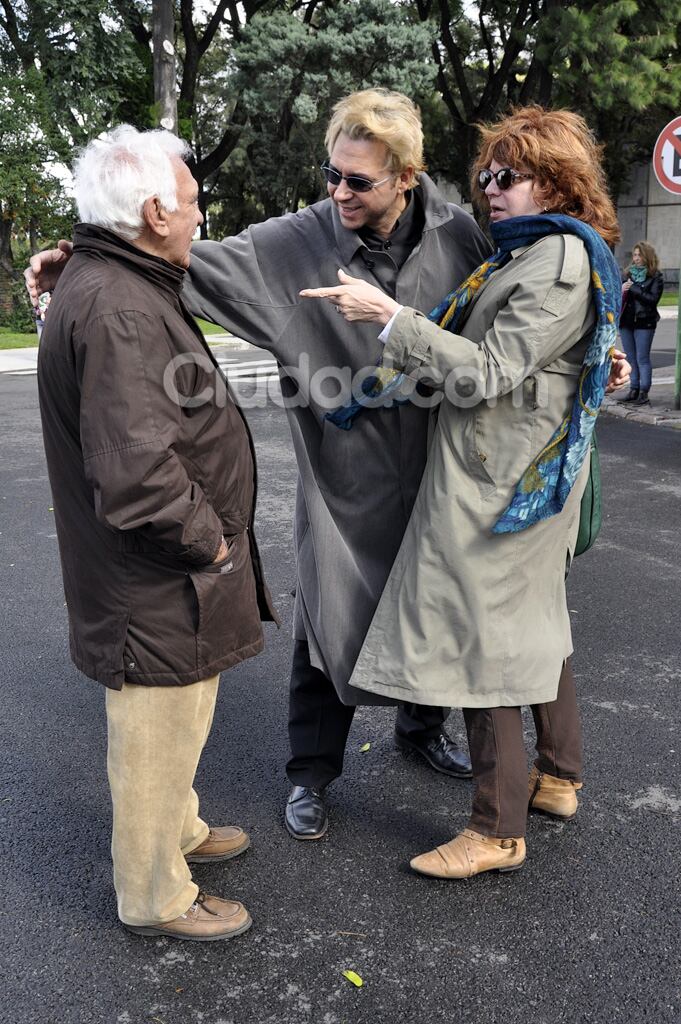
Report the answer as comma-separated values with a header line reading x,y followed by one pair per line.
x,y
49,103
32,200
80,64
619,66
290,70
611,62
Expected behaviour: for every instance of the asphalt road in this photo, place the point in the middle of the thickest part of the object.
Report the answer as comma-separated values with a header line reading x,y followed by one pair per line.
x,y
663,352
587,932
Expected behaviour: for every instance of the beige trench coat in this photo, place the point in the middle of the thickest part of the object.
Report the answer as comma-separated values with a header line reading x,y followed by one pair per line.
x,y
469,618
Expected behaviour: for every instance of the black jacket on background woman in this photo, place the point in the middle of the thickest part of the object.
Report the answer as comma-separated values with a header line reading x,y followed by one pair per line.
x,y
640,306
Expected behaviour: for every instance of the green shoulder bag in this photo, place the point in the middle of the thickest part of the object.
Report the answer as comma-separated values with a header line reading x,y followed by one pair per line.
x,y
590,509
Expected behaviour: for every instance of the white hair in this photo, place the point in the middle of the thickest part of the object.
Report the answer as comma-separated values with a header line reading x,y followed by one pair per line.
x,y
116,174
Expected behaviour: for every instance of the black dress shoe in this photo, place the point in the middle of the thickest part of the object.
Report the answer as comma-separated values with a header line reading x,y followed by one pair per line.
x,y
632,396
306,816
440,752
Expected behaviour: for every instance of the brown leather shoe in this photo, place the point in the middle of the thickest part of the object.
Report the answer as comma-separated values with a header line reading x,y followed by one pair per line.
x,y
549,795
207,920
221,843
469,854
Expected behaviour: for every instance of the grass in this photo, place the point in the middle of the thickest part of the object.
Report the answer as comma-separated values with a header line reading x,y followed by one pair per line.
x,y
17,339
208,328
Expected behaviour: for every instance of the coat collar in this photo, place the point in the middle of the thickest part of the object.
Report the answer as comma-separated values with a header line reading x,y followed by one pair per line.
x,y
437,211
89,238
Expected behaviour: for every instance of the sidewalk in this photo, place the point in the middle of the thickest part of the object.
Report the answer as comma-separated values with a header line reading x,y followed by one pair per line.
x,y
660,412
25,360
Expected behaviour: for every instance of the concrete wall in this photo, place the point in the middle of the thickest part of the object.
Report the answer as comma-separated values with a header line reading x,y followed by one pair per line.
x,y
648,213
451,193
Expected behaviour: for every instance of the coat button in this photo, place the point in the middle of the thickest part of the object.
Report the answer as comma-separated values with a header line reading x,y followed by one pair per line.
x,y
131,664
482,456
370,264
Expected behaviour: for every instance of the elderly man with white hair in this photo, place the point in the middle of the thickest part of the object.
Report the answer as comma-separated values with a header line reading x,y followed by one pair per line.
x,y
154,489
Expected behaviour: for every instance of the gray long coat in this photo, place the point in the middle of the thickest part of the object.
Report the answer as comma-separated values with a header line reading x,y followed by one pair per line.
x,y
356,488
470,618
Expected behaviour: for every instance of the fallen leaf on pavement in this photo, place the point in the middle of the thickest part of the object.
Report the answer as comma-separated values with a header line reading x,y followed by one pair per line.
x,y
353,977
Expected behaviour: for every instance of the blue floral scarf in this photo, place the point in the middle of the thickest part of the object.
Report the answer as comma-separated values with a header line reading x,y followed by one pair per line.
x,y
546,483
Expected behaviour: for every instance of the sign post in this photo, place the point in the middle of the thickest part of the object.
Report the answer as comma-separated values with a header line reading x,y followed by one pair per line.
x,y
667,167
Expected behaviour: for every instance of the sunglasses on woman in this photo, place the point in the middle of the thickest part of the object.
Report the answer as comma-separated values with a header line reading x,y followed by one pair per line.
x,y
355,182
504,178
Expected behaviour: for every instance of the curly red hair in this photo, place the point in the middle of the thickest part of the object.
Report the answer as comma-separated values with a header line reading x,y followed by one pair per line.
x,y
559,149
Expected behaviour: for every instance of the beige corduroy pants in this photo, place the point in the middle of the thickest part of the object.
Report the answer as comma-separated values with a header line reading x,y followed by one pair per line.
x,y
156,735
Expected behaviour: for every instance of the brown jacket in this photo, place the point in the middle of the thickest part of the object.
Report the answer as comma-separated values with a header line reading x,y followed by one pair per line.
x,y
145,485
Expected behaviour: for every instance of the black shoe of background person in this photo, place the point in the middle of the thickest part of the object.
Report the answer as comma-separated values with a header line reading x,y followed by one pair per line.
x,y
643,398
307,816
439,751
632,396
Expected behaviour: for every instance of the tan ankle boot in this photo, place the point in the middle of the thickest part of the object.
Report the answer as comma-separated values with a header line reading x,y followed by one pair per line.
x,y
222,843
468,854
553,796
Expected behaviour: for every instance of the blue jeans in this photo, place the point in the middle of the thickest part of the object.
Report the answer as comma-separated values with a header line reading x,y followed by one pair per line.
x,y
637,343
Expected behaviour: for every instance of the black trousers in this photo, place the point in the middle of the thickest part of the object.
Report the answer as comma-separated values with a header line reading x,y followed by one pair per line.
x,y
319,723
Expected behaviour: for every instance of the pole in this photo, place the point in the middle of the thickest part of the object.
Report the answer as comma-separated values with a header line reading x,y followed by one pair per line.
x,y
677,376
163,38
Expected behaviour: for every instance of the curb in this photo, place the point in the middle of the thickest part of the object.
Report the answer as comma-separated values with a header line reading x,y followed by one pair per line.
x,y
651,419
227,341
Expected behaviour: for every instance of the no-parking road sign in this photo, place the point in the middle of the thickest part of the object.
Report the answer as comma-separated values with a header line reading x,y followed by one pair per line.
x,y
667,167
667,157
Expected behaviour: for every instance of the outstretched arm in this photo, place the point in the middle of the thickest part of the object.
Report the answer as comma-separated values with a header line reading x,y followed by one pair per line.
x,y
357,300
226,285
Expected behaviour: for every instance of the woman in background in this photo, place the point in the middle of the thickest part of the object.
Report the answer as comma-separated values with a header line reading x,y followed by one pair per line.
x,y
641,292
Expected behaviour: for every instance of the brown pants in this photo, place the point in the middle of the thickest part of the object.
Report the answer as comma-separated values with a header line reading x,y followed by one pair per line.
x,y
495,739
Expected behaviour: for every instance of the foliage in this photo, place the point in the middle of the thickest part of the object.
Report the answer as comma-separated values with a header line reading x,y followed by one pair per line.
x,y
257,81
289,75
612,62
80,63
67,70
30,191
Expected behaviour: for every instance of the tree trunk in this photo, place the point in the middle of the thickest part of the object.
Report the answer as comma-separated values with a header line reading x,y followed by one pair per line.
x,y
203,207
165,92
33,235
7,271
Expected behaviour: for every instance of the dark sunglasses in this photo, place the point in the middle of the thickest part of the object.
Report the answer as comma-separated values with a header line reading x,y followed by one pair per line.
x,y
504,178
355,182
